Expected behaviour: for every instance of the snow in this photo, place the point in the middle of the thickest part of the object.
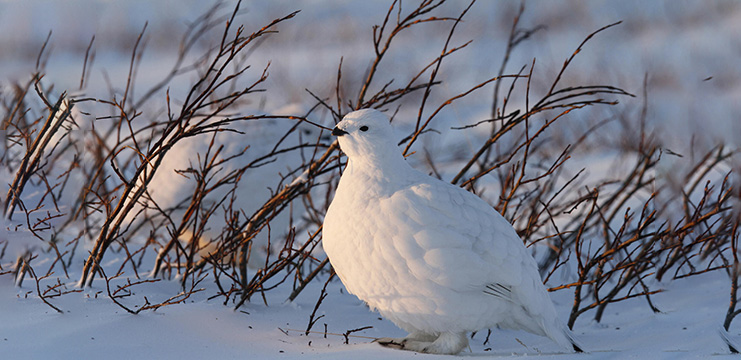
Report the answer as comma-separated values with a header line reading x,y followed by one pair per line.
x,y
679,45
687,327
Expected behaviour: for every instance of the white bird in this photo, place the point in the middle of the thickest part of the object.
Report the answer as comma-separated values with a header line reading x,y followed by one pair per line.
x,y
431,257
169,188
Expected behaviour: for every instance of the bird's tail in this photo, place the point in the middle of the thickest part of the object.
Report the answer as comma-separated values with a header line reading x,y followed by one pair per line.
x,y
574,344
553,328
577,347
732,346
564,337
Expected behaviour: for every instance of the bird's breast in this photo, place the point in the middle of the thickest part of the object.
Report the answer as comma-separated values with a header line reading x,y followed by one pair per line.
x,y
370,248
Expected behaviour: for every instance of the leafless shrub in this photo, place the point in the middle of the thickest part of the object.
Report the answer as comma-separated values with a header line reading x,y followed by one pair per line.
x,y
200,114
734,273
122,291
23,267
114,203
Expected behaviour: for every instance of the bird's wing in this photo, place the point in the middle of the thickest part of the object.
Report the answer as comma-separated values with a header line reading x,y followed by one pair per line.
x,y
459,240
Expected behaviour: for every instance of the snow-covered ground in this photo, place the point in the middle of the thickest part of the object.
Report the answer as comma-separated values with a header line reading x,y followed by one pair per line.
x,y
689,49
686,328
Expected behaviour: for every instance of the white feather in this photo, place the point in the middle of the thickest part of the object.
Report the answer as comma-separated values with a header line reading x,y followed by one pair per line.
x,y
433,258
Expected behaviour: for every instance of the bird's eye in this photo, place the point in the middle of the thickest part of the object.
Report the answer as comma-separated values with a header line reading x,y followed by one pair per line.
x,y
363,128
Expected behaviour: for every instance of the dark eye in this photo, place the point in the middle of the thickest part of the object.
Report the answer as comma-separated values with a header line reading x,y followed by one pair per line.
x,y
363,128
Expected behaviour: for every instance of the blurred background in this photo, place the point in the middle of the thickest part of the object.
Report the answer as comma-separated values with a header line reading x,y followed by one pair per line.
x,y
689,51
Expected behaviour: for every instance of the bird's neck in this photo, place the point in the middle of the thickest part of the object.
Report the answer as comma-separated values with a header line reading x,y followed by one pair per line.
x,y
379,174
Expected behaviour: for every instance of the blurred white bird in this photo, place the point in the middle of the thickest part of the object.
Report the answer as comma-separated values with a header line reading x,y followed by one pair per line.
x,y
433,258
169,188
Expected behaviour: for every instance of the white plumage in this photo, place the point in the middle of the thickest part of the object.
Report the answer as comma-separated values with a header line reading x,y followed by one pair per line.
x,y
433,258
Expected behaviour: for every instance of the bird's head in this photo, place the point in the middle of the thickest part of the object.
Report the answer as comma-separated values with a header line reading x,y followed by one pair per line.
x,y
367,134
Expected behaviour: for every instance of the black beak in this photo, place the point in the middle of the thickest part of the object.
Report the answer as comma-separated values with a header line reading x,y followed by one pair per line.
x,y
338,132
